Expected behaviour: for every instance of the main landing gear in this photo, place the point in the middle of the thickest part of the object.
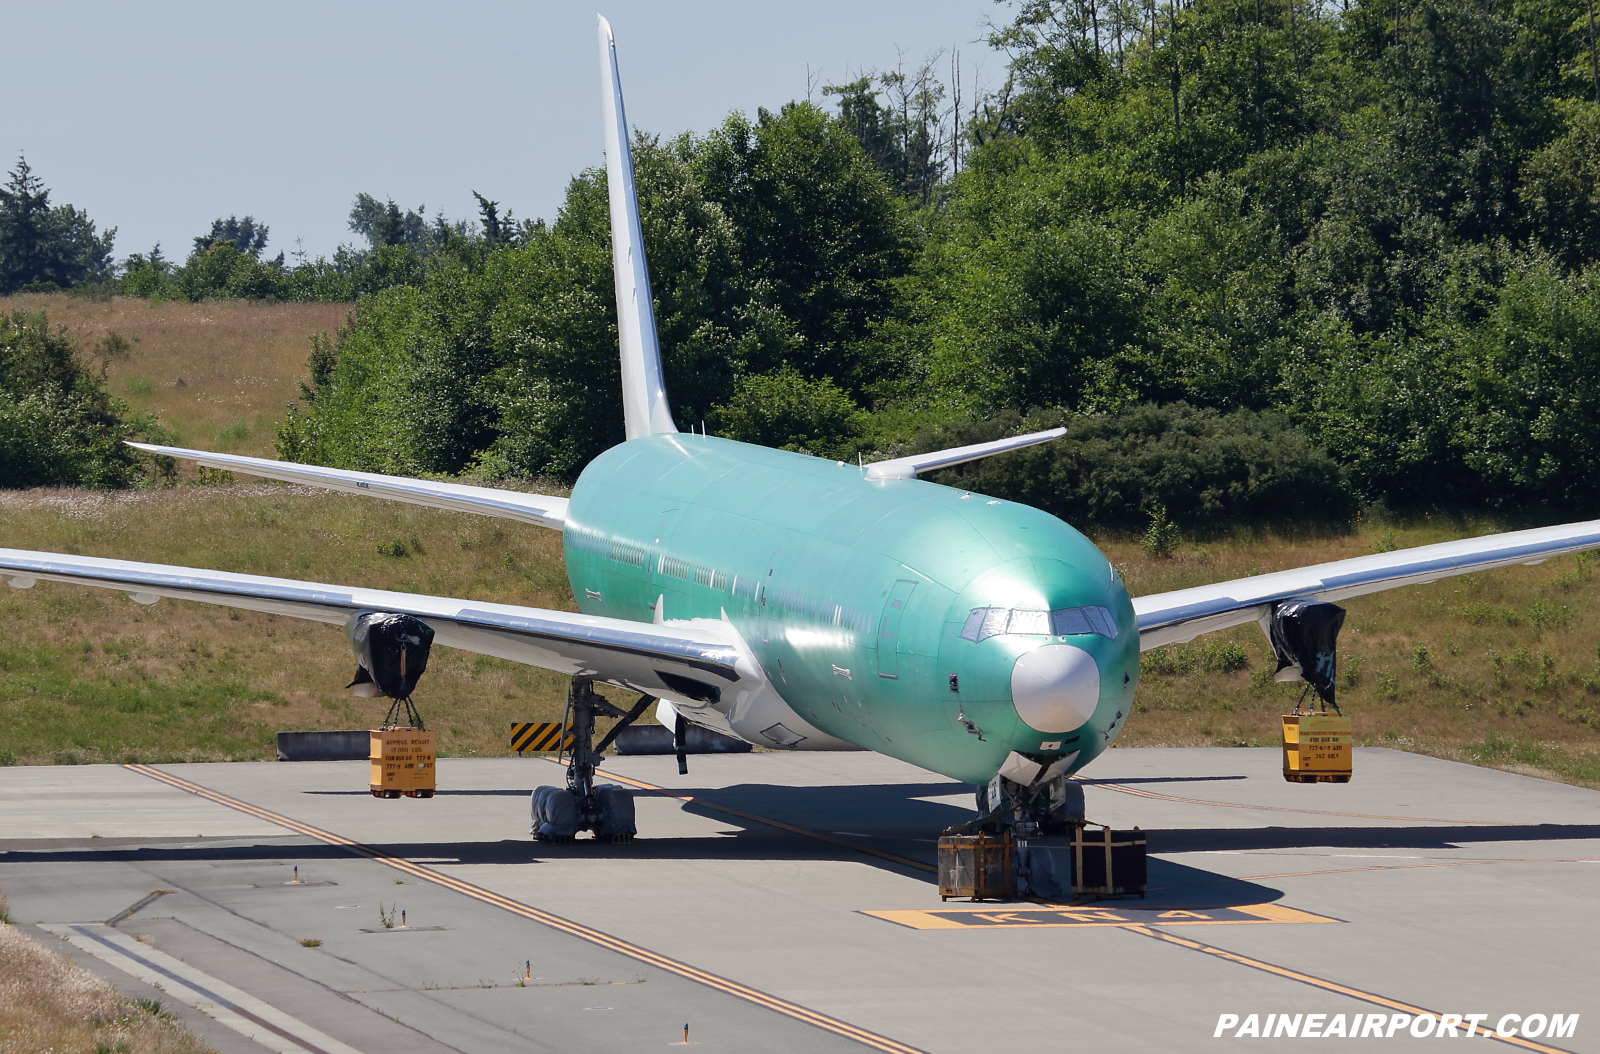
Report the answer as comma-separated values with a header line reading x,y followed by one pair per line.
x,y
559,813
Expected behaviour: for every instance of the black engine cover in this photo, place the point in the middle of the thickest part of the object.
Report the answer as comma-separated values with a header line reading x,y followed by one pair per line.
x,y
392,650
1305,635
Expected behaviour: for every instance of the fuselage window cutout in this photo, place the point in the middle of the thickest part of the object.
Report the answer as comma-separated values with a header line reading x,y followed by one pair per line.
x,y
631,555
716,581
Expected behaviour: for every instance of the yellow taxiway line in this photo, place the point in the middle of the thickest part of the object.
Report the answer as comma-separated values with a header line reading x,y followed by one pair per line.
x,y
1336,987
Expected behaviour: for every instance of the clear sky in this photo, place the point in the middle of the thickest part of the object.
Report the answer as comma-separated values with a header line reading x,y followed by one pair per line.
x,y
158,117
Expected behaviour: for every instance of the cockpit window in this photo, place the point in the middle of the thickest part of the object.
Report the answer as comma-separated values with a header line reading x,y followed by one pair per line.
x,y
983,623
1023,621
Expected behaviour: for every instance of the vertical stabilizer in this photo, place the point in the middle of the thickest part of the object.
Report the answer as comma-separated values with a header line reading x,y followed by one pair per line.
x,y
644,392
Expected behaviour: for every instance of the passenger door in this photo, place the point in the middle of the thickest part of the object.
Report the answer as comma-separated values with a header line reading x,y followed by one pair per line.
x,y
894,610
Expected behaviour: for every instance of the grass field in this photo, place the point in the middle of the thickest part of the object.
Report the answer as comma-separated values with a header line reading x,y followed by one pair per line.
x,y
218,374
1497,668
51,1005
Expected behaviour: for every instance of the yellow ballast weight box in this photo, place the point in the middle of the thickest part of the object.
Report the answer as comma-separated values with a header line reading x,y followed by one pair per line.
x,y
1316,748
402,763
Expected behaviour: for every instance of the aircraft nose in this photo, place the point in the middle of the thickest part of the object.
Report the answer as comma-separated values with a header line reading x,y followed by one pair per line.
x,y
1055,688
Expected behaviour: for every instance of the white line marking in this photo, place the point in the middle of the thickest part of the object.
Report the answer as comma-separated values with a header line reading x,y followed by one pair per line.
x,y
243,1013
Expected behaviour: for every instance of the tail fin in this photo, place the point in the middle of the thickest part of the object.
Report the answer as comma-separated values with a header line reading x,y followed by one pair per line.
x,y
644,392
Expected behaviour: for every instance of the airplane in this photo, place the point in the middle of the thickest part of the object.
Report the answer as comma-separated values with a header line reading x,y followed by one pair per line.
x,y
799,603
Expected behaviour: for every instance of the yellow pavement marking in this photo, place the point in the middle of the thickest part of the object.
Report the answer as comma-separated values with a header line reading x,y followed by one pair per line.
x,y
1334,986
575,929
1057,916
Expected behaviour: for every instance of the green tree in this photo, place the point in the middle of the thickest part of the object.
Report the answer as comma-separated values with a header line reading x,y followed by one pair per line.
x,y
248,236
1561,188
43,245
818,227
786,410
58,424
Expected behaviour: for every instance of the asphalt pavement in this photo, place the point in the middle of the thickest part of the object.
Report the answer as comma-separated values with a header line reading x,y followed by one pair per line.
x,y
787,902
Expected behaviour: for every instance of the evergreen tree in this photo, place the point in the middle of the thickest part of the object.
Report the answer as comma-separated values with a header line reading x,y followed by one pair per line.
x,y
247,236
40,244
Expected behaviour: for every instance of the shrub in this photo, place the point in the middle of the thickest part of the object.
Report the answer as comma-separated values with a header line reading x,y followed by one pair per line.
x,y
783,409
59,426
1223,656
1161,538
1206,469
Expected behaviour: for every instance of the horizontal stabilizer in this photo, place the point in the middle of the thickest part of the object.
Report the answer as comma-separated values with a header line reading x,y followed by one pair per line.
x,y
537,509
908,467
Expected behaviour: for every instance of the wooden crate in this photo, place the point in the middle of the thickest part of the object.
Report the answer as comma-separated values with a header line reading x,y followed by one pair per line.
x,y
976,866
1108,863
402,763
1316,748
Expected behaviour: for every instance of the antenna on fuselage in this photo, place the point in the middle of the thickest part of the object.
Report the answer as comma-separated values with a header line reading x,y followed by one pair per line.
x,y
644,391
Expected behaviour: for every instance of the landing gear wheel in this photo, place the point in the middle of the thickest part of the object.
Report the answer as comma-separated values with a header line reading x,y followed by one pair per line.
x,y
559,813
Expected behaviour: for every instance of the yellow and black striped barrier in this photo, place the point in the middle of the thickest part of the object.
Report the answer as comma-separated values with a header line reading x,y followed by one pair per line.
x,y
543,735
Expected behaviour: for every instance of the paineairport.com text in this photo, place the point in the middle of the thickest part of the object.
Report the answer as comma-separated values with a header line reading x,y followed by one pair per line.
x,y
1395,1026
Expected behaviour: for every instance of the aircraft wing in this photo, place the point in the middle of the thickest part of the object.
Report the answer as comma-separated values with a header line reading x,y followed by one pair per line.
x,y
1183,614
704,658
540,509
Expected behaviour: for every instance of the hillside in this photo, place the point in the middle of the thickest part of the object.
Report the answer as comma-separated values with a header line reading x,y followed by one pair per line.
x,y
217,372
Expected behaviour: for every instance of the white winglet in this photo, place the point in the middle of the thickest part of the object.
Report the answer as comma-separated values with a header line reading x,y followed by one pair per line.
x,y
644,392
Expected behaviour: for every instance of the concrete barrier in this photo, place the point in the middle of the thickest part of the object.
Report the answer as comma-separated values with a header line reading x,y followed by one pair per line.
x,y
348,745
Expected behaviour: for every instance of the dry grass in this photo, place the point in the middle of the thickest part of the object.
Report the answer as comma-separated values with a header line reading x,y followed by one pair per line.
x,y
218,374
1498,668
48,1003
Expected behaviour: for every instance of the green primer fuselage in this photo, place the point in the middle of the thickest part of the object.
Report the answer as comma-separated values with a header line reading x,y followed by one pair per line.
x,y
852,593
